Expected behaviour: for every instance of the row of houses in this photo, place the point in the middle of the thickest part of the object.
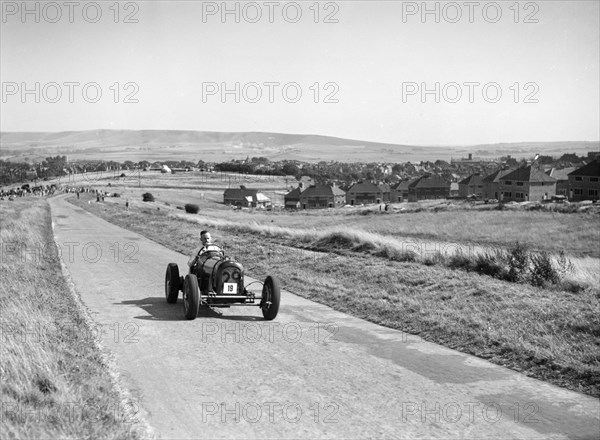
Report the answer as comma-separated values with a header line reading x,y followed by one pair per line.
x,y
532,184
364,193
528,183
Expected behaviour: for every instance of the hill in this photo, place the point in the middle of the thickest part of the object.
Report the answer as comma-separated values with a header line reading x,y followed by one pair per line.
x,y
121,145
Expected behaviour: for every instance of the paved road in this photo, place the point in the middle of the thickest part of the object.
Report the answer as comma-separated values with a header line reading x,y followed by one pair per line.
x,y
311,373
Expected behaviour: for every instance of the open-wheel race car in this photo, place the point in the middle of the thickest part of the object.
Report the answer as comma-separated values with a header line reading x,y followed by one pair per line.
x,y
218,281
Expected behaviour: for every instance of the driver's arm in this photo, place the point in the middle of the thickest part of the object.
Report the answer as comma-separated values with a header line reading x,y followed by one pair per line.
x,y
194,256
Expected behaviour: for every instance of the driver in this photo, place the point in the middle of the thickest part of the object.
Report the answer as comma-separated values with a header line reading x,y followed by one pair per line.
x,y
207,246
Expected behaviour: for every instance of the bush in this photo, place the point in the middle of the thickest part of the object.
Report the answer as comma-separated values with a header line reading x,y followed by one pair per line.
x,y
571,286
147,197
489,264
542,270
564,265
406,256
191,209
518,262
436,259
460,261
336,240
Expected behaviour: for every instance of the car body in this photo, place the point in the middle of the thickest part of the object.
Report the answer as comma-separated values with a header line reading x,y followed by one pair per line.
x,y
219,281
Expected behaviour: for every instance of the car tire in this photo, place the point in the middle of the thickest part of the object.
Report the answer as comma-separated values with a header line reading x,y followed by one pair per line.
x,y
271,297
191,297
172,283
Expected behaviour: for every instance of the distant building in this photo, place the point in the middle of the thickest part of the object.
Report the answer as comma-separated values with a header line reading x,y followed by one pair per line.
x,y
472,185
399,192
562,180
364,193
386,191
292,199
454,188
429,186
526,184
491,184
583,182
593,155
322,196
245,197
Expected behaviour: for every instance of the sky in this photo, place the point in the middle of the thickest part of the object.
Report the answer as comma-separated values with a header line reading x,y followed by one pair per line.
x,y
433,73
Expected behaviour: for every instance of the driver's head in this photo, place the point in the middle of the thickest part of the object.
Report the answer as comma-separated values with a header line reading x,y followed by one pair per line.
x,y
205,238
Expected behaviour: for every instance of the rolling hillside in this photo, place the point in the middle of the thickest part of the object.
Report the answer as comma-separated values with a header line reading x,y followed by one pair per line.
x,y
121,145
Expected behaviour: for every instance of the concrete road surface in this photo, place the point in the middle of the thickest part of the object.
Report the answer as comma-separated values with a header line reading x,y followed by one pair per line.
x,y
311,373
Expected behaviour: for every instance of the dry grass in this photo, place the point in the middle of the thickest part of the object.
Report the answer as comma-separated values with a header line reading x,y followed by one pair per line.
x,y
55,383
546,333
577,234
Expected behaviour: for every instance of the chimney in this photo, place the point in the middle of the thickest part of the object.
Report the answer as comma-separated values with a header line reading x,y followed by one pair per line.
x,y
470,156
300,185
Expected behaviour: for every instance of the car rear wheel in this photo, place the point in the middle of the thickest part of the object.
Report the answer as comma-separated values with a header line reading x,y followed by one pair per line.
x,y
191,296
271,296
172,283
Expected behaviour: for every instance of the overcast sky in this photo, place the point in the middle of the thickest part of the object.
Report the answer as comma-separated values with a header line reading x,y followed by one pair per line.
x,y
370,60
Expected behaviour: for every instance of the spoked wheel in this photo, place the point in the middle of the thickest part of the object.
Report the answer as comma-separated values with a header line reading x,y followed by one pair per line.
x,y
172,283
271,297
191,296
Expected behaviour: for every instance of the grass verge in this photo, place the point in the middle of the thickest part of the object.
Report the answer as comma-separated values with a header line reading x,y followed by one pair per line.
x,y
55,380
545,333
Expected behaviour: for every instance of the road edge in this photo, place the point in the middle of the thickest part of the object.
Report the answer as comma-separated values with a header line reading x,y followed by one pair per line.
x,y
131,409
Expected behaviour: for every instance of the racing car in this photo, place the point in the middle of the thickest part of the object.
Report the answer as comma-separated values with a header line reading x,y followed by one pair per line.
x,y
218,281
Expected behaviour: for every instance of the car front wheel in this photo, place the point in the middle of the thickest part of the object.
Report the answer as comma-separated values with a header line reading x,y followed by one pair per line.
x,y
172,283
191,296
271,297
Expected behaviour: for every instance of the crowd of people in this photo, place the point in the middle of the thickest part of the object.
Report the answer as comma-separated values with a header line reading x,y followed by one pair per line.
x,y
50,190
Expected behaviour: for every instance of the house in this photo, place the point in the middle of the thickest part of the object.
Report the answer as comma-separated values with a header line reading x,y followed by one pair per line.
x,y
245,197
399,192
322,196
429,186
562,180
454,190
472,185
386,191
583,182
526,184
364,193
292,199
491,184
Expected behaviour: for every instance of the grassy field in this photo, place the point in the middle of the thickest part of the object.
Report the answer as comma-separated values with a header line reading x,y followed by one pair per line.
x,y
424,226
55,380
545,333
577,233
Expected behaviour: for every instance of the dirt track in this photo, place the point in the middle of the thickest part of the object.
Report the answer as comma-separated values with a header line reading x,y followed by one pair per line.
x,y
311,373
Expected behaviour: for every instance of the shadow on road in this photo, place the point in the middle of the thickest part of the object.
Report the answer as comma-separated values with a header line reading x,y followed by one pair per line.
x,y
159,310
